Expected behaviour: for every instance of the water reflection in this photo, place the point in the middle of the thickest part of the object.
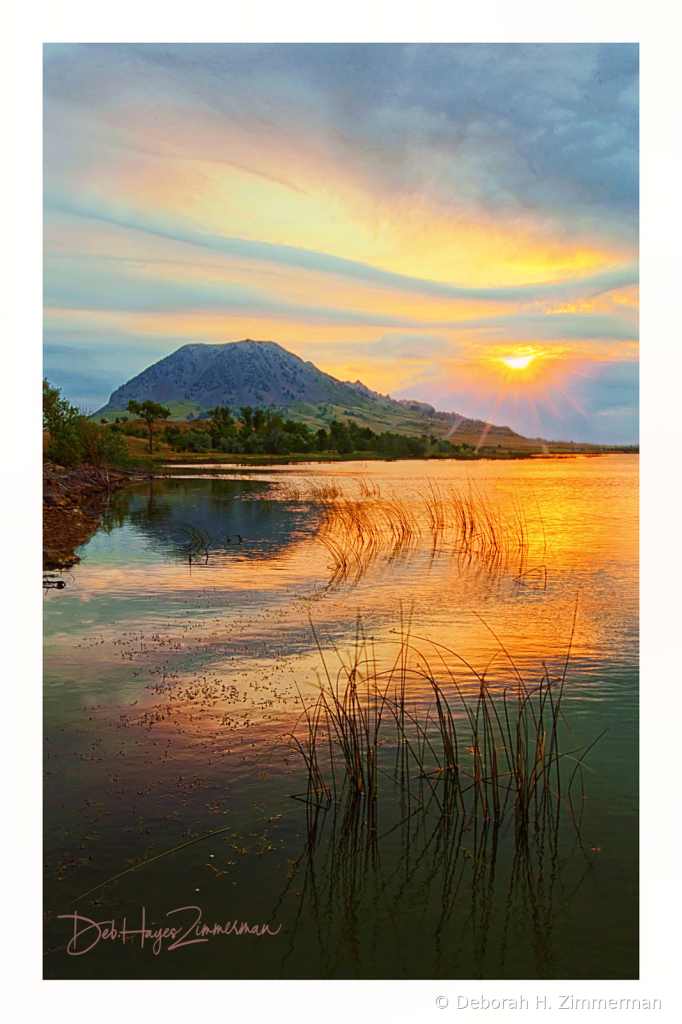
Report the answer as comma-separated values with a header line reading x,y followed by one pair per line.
x,y
175,659
190,518
458,898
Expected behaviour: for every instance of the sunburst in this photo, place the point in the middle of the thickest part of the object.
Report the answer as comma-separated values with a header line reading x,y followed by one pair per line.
x,y
520,359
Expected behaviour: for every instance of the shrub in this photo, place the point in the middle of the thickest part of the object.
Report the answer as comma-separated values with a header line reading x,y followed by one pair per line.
x,y
101,445
74,438
197,441
230,445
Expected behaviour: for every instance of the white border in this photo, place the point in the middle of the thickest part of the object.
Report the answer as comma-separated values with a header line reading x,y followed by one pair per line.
x,y
651,24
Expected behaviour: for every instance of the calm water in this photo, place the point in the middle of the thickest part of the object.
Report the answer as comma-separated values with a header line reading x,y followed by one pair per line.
x,y
175,662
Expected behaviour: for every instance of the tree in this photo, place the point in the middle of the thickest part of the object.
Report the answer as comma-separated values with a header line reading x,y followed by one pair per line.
x,y
221,424
220,417
340,438
74,438
245,418
150,412
57,412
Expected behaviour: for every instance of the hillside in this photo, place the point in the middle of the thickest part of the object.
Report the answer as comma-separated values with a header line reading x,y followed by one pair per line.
x,y
263,374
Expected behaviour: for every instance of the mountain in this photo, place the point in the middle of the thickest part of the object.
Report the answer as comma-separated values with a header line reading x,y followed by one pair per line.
x,y
257,373
263,374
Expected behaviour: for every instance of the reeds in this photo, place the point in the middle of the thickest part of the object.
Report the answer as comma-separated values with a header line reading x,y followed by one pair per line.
x,y
358,524
430,725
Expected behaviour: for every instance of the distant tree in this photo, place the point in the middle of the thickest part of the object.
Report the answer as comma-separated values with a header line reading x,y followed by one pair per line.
x,y
322,439
150,412
230,445
220,416
340,438
197,441
246,417
221,424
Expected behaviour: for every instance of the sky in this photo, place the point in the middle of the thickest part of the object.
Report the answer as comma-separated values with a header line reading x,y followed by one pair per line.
x,y
455,223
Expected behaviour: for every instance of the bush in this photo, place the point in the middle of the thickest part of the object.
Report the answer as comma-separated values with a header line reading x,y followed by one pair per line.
x,y
102,445
197,441
173,436
81,440
64,446
231,446
74,438
277,442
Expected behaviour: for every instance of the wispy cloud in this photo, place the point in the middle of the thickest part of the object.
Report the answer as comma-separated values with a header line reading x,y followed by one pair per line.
x,y
585,287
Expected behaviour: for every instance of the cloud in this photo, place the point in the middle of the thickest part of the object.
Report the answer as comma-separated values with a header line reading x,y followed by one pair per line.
x,y
553,326
88,373
116,286
550,125
325,263
407,347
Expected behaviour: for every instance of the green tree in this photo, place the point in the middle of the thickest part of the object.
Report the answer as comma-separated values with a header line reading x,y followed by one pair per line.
x,y
150,412
57,412
245,418
340,438
74,438
221,424
62,421
220,416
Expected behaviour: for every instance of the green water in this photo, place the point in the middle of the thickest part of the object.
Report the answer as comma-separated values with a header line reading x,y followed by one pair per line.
x,y
174,660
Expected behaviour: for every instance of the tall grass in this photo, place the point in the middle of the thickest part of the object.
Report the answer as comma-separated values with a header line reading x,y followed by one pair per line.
x,y
426,722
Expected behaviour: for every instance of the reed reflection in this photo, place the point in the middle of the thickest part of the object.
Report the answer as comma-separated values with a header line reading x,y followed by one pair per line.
x,y
460,897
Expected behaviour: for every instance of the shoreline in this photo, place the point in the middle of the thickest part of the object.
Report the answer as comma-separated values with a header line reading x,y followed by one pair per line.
x,y
215,458
71,512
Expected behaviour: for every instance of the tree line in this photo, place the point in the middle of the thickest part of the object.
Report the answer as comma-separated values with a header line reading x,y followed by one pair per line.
x,y
265,432
74,438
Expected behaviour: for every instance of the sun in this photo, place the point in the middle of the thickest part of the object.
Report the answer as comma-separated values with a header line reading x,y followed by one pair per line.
x,y
518,362
523,369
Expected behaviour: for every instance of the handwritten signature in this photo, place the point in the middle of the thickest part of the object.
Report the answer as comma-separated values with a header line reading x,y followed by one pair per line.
x,y
87,933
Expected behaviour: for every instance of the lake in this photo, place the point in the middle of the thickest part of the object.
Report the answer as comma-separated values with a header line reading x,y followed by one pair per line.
x,y
206,615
